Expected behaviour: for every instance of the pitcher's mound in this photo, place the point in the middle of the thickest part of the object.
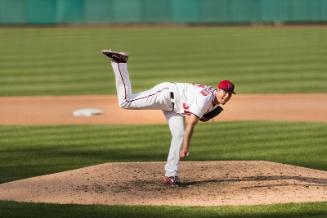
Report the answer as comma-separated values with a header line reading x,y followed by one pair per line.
x,y
204,183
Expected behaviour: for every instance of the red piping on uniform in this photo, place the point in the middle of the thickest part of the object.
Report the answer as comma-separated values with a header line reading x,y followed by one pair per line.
x,y
147,95
123,81
137,98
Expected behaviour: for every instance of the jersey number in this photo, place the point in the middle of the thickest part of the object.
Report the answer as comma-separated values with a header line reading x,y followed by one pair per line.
x,y
205,90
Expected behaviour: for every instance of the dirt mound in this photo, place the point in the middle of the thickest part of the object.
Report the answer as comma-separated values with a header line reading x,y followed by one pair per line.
x,y
49,110
204,183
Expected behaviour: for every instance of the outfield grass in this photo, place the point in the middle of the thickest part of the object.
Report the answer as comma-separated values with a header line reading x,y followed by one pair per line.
x,y
67,61
308,210
31,151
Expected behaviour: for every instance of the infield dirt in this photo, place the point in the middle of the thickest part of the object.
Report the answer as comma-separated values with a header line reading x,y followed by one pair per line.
x,y
50,110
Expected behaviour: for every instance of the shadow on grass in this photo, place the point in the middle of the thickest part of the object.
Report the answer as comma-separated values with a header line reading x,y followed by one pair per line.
x,y
310,181
41,161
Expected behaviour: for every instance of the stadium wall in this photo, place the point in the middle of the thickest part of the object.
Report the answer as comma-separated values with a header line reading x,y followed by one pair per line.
x,y
161,11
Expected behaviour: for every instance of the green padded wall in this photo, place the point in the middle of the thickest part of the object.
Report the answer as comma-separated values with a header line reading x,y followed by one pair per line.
x,y
212,10
185,11
323,10
277,10
99,11
128,11
304,10
161,11
70,11
40,11
13,11
156,11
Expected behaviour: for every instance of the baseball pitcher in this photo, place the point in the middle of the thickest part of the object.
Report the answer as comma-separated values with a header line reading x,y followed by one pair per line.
x,y
176,100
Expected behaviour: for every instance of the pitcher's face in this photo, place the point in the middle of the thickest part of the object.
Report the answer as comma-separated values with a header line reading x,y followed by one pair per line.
x,y
223,97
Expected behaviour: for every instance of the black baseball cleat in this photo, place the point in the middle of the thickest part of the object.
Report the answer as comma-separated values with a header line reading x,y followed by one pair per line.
x,y
115,56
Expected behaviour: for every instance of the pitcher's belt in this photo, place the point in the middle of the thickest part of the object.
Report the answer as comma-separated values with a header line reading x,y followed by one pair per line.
x,y
172,99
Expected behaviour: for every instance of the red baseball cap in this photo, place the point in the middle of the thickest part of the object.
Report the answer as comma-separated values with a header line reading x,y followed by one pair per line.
x,y
227,86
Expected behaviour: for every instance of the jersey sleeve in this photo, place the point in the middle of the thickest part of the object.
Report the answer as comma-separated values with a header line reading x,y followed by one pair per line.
x,y
199,106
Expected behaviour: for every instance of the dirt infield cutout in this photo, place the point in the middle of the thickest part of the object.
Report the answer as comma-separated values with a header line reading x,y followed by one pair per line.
x,y
57,110
205,183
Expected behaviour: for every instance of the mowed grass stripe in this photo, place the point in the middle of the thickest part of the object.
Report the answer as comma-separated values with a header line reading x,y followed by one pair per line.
x,y
303,210
32,151
275,85
72,86
115,35
224,52
136,71
208,54
225,62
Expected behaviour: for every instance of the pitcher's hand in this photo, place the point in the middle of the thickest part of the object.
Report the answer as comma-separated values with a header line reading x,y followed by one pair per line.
x,y
184,153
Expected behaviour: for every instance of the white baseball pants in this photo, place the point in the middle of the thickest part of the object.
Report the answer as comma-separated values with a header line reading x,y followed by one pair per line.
x,y
158,98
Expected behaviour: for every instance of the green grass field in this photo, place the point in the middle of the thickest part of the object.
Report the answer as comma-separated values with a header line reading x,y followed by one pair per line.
x,y
32,151
18,210
67,61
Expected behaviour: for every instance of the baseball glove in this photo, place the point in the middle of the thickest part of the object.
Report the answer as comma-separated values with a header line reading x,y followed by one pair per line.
x,y
211,114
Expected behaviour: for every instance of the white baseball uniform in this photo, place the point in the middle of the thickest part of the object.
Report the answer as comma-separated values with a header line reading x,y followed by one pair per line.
x,y
175,100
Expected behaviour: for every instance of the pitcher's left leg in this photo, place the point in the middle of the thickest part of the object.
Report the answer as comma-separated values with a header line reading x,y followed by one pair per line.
x,y
176,126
